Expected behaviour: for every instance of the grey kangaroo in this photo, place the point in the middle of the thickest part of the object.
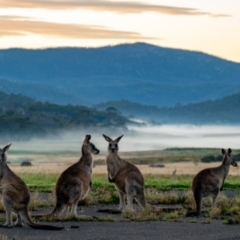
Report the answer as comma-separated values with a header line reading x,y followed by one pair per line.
x,y
74,183
127,178
16,196
209,182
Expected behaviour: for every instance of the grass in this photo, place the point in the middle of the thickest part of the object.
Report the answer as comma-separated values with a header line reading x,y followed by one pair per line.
x,y
43,182
159,188
103,192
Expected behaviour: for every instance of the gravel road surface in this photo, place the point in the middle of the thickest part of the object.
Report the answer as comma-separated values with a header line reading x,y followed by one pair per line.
x,y
129,231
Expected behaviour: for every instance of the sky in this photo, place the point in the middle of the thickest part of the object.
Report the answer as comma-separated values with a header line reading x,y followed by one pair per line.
x,y
209,26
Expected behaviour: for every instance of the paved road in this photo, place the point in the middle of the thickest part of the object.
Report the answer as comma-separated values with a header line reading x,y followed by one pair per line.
x,y
129,231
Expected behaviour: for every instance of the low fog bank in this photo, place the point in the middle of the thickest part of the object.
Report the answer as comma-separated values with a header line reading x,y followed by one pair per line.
x,y
138,138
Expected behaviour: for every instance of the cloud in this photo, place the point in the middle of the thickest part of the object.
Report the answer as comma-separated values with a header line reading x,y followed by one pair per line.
x,y
13,25
104,5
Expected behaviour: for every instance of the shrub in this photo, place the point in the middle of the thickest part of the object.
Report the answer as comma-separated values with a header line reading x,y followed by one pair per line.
x,y
26,163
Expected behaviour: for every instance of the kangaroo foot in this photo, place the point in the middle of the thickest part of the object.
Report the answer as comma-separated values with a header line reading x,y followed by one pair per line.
x,y
111,211
7,225
193,214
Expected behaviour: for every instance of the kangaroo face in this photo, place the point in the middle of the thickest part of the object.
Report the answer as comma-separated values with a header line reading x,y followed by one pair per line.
x,y
228,158
113,144
90,146
3,155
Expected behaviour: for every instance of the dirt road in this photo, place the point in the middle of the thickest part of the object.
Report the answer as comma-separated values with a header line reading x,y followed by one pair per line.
x,y
129,231
186,228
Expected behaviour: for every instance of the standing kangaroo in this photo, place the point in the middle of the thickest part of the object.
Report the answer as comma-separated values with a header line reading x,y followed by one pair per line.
x,y
209,182
127,178
16,196
74,183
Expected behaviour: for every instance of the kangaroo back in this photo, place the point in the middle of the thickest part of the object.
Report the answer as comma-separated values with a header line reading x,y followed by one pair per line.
x,y
209,181
74,183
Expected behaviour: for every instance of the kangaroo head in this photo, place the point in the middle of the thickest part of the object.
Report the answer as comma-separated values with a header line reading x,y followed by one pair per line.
x,y
228,158
113,144
3,155
90,146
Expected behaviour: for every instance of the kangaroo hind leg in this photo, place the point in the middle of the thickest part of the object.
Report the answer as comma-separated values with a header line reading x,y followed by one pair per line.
x,y
73,210
122,204
130,191
8,208
18,222
198,201
141,200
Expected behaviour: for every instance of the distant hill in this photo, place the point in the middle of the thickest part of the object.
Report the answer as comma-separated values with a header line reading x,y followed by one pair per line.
x,y
140,72
22,117
221,111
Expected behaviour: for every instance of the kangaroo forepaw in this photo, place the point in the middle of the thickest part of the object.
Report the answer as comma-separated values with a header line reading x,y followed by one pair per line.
x,y
111,180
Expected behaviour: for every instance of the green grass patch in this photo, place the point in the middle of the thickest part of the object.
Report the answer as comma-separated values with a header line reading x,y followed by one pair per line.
x,y
43,182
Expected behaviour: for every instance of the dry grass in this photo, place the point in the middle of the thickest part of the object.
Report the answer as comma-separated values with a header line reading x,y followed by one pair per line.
x,y
181,168
104,194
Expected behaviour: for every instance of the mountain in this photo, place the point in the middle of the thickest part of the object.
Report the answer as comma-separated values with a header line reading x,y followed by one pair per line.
x,y
22,118
221,111
138,72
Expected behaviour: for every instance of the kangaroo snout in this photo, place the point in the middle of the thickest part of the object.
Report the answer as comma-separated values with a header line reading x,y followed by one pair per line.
x,y
96,151
234,164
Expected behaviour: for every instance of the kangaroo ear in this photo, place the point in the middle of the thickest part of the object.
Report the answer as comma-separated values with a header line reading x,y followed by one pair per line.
x,y
87,138
229,151
108,139
118,139
6,147
223,151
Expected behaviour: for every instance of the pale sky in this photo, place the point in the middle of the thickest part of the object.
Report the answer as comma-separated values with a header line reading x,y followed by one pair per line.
x,y
209,26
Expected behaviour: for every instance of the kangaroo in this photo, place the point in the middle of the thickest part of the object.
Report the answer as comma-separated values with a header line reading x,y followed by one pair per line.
x,y
74,183
127,178
209,182
16,196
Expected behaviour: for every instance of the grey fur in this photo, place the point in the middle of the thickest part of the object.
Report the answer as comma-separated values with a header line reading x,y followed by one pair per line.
x,y
74,183
127,178
209,182
16,196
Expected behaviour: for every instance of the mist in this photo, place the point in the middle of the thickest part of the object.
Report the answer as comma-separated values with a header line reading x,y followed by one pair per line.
x,y
138,138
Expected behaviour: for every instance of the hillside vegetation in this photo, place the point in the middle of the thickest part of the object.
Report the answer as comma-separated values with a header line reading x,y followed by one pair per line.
x,y
22,117
222,111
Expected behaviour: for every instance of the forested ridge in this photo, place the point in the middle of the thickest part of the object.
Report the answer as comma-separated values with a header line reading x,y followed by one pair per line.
x,y
223,111
24,117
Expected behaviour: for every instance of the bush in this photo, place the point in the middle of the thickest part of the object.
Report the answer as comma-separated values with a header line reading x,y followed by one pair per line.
x,y
26,163
211,158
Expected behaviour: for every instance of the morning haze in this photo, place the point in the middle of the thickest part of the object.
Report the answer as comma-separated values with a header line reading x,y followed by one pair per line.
x,y
143,95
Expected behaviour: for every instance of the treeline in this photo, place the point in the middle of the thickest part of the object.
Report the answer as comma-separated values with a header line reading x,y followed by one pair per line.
x,y
220,111
22,117
219,158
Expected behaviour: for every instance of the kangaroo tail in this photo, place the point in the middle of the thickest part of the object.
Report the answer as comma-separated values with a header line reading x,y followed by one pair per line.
x,y
56,210
42,215
26,218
